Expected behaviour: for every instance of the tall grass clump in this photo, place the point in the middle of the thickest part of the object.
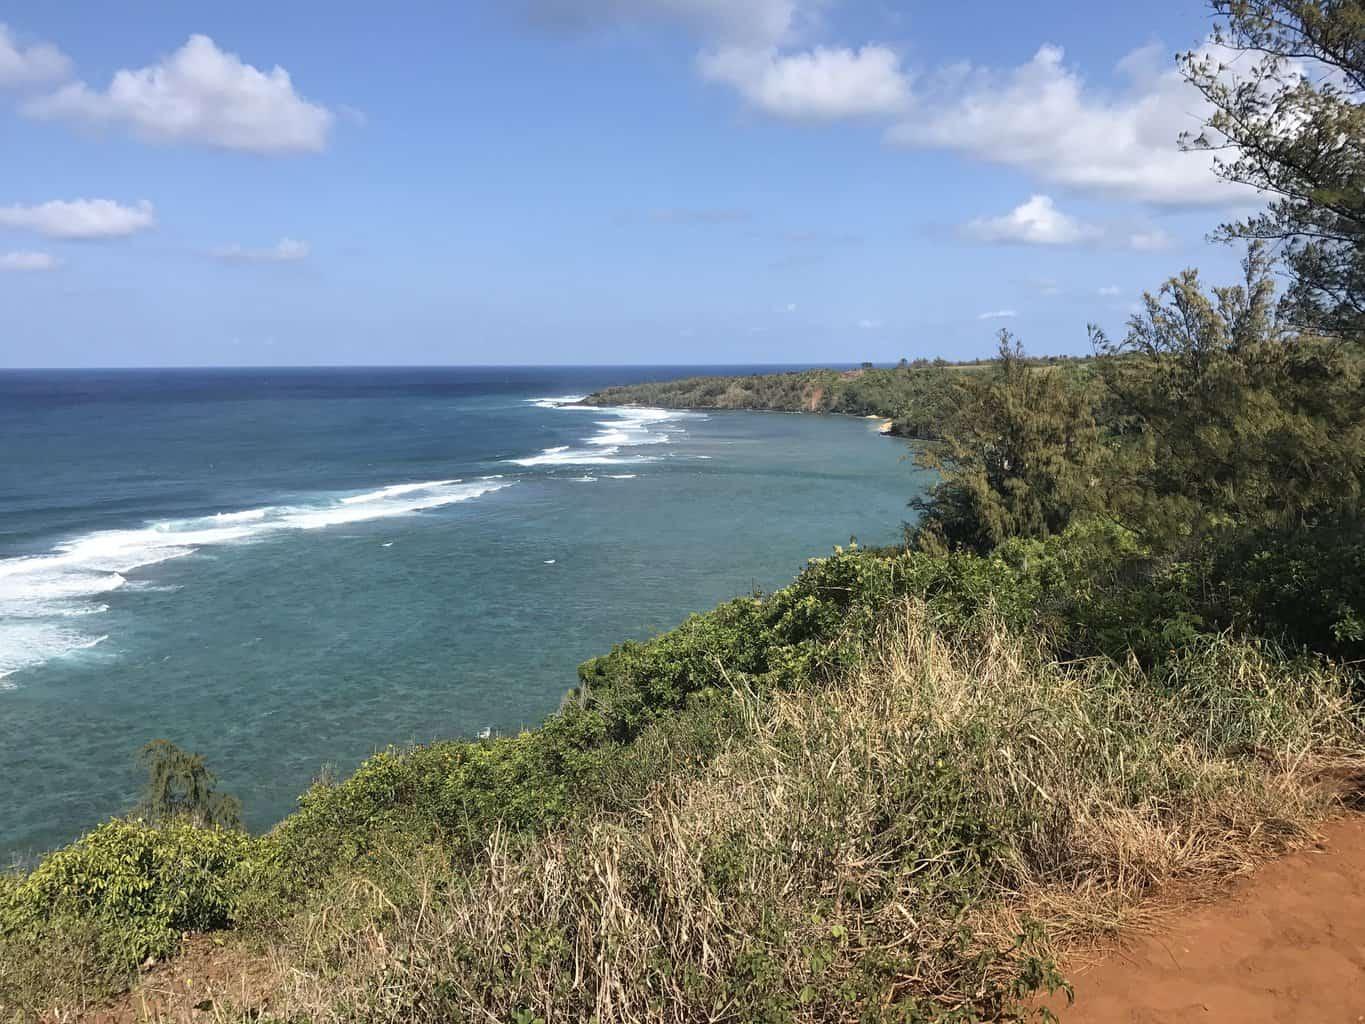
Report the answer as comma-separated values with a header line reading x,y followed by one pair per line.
x,y
915,840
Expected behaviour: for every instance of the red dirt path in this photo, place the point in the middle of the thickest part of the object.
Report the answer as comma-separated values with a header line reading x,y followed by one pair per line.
x,y
1285,945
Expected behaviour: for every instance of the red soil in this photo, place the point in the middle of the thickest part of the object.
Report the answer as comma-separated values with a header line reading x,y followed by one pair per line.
x,y
1285,945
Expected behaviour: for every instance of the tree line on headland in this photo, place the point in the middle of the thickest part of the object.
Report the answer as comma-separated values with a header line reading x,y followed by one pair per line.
x,y
1120,647
917,395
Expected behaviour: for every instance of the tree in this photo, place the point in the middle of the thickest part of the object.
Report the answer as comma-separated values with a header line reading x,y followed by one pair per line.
x,y
1229,419
1286,79
1239,455
1014,458
181,787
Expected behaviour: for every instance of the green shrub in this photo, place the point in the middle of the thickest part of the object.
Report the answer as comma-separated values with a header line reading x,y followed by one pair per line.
x,y
143,884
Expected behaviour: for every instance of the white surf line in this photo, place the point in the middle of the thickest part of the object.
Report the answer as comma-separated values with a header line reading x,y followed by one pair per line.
x,y
628,427
42,596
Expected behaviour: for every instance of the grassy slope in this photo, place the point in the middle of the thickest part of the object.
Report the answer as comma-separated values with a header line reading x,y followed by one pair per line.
x,y
849,797
913,841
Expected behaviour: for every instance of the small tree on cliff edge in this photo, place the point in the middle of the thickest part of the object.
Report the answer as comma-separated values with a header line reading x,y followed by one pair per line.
x,y
180,786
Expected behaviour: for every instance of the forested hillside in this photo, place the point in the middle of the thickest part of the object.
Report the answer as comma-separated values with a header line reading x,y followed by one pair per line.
x,y
915,396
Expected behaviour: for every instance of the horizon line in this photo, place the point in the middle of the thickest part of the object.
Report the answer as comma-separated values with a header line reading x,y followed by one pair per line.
x,y
443,366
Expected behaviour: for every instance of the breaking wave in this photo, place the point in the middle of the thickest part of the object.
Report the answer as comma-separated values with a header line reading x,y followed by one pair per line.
x,y
41,594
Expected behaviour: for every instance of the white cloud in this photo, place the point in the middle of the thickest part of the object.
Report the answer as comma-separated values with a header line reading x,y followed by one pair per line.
x,y
80,218
746,22
753,46
823,83
869,325
28,261
32,65
998,314
199,94
1150,240
1044,118
1038,222
1109,290
286,250
1034,222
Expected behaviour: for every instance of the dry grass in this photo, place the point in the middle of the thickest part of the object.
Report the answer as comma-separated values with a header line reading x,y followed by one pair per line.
x,y
873,850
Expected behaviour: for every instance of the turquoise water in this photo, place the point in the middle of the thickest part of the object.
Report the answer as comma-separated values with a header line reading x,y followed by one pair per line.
x,y
286,569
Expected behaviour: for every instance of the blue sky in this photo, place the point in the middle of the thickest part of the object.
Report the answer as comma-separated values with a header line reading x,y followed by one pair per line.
x,y
589,181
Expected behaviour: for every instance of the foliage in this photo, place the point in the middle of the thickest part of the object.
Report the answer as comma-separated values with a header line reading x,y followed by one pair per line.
x,y
911,841
1015,462
1238,456
917,396
180,786
1233,422
122,893
1286,79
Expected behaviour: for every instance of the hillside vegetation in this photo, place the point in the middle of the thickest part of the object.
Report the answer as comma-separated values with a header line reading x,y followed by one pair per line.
x,y
1122,646
915,396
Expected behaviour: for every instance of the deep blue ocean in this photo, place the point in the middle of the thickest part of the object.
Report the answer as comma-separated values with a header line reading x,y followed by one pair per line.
x,y
286,569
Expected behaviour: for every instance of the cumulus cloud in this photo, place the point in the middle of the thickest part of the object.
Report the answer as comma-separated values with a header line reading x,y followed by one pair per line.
x,y
754,47
1043,118
751,22
1034,222
37,64
1038,221
822,83
286,250
198,94
28,261
998,314
80,218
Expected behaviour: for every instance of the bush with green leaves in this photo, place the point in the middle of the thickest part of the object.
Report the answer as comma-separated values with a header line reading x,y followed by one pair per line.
x,y
148,883
88,914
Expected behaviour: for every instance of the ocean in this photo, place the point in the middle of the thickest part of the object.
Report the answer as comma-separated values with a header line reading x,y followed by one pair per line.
x,y
290,569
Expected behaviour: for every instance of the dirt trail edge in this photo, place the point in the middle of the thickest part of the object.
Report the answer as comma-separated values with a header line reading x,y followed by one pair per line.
x,y
1286,945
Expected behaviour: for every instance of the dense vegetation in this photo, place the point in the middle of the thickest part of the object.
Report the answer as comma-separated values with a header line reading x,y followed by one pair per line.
x,y
1121,646
915,396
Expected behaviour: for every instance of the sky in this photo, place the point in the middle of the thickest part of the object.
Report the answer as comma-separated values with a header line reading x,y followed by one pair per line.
x,y
591,181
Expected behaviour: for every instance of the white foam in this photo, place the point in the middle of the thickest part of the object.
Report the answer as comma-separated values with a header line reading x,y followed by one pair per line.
x,y
566,456
39,594
628,427
24,644
584,479
622,476
558,402
394,490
